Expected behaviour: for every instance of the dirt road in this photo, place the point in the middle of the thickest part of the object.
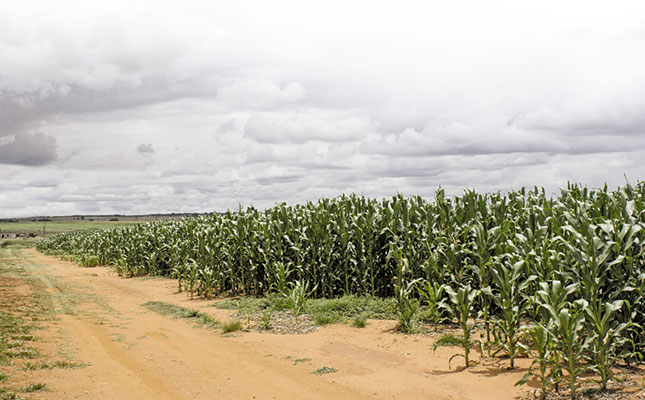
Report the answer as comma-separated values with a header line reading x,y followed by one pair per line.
x,y
134,353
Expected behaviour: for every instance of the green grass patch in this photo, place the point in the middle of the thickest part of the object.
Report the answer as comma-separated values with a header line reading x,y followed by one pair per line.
x,y
322,311
12,329
62,364
68,364
34,387
19,316
359,322
22,243
8,395
51,227
350,307
326,319
232,326
184,313
324,370
448,340
253,305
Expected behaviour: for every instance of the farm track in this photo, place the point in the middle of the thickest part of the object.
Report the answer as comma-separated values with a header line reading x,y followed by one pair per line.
x,y
134,353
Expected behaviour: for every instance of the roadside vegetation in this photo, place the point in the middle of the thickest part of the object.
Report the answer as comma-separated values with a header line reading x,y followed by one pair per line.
x,y
263,312
23,307
558,278
174,311
53,227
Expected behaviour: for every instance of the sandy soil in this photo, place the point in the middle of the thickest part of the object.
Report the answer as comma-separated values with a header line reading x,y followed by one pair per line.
x,y
134,353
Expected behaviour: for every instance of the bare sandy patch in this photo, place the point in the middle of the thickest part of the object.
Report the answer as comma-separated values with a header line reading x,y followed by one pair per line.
x,y
133,352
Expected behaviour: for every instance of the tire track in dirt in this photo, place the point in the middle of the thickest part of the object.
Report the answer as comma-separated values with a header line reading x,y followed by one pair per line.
x,y
136,353
158,357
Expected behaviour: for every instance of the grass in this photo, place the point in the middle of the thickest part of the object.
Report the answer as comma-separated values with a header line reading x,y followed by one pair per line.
x,y
232,326
322,311
349,307
17,315
63,364
20,314
359,322
448,340
324,370
22,243
252,305
323,319
34,387
11,347
266,319
184,313
36,227
7,395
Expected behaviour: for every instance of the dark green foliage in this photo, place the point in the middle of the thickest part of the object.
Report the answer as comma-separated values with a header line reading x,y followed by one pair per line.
x,y
180,312
462,308
232,326
324,370
529,255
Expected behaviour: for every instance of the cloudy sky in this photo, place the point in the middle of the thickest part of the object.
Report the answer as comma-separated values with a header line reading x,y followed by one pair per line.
x,y
190,106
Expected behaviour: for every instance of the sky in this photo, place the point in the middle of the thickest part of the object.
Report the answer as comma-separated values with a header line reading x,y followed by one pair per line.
x,y
136,107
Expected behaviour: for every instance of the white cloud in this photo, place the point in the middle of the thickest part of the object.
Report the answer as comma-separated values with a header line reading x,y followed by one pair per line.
x,y
201,106
29,149
145,148
259,95
307,125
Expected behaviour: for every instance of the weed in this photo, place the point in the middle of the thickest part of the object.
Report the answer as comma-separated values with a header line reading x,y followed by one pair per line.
x,y
34,387
181,312
324,370
461,307
349,307
68,364
325,319
6,395
266,319
232,326
359,322
448,340
297,296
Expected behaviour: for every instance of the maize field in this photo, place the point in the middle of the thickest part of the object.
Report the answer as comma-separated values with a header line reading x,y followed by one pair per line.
x,y
559,278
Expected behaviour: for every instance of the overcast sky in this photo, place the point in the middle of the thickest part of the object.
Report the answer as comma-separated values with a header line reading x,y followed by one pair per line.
x,y
193,106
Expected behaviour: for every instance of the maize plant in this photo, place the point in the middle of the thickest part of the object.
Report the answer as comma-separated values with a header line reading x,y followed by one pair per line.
x,y
510,298
462,308
542,344
529,255
572,343
606,338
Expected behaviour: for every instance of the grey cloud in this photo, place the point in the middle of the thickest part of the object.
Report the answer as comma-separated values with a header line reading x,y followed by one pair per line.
x,y
307,125
261,153
612,121
145,148
496,137
460,138
259,94
43,183
264,114
177,172
230,126
319,166
278,179
18,111
29,150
